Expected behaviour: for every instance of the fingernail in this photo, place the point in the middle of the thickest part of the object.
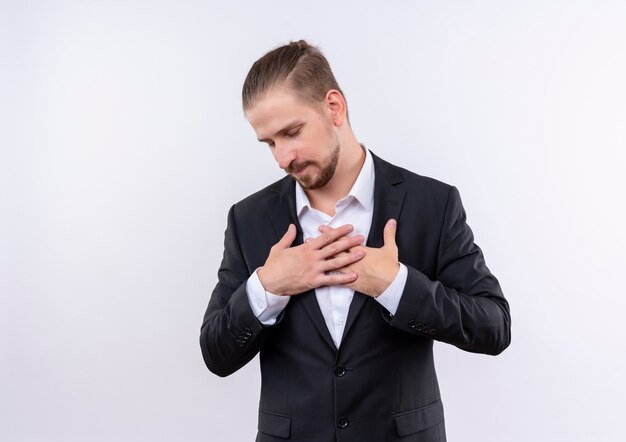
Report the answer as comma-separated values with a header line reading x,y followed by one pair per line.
x,y
392,222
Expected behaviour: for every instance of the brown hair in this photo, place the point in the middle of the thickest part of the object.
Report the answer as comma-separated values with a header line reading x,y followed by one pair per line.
x,y
301,67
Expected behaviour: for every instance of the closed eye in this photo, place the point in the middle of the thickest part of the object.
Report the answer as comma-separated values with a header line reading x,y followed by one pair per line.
x,y
294,133
287,133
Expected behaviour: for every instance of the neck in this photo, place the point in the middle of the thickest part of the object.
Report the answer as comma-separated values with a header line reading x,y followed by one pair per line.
x,y
351,159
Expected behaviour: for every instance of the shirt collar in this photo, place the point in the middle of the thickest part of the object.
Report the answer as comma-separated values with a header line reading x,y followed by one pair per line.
x,y
362,190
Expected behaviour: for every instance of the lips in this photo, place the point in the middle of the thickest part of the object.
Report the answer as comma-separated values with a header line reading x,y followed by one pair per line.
x,y
299,171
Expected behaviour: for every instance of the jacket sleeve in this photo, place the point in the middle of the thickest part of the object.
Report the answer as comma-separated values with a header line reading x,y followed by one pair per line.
x,y
231,335
464,305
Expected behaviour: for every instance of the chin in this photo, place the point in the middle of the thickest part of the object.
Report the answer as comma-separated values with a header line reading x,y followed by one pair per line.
x,y
307,181
306,185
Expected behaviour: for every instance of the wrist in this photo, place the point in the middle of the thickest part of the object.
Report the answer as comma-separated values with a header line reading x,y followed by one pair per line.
x,y
263,278
387,280
265,282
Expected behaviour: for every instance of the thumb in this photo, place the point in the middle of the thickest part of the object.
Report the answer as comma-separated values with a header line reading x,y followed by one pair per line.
x,y
389,234
287,238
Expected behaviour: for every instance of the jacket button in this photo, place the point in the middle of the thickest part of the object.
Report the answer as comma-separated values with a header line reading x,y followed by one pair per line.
x,y
412,323
340,370
342,422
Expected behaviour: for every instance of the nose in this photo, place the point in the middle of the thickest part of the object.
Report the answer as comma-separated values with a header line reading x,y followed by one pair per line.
x,y
284,155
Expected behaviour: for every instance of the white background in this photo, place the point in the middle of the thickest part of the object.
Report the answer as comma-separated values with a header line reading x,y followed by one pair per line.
x,y
121,121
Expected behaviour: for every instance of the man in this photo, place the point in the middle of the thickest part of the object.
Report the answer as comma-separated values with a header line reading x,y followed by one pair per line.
x,y
343,273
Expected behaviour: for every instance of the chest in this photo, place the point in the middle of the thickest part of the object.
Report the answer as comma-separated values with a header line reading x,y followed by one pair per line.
x,y
347,211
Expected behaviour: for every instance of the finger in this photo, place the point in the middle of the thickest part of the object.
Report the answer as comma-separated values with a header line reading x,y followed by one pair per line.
x,y
336,278
288,238
342,260
389,233
331,235
323,228
341,245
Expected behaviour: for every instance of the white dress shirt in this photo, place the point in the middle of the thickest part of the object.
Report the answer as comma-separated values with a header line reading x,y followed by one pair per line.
x,y
357,209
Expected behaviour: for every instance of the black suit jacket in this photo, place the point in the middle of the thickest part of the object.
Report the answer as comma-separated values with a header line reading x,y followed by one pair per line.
x,y
380,385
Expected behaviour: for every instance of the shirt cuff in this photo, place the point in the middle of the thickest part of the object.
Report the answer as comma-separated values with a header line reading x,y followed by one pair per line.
x,y
390,298
266,306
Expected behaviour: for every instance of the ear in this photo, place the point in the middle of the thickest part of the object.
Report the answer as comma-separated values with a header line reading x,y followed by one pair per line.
x,y
336,105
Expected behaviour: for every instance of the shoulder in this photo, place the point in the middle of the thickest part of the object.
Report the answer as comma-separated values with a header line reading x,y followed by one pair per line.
x,y
426,198
252,203
413,183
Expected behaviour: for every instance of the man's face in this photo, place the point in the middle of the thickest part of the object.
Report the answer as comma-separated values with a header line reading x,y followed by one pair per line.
x,y
300,136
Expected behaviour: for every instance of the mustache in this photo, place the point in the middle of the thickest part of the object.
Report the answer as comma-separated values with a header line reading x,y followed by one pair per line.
x,y
297,166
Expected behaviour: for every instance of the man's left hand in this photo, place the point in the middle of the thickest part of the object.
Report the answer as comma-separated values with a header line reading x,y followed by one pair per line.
x,y
378,268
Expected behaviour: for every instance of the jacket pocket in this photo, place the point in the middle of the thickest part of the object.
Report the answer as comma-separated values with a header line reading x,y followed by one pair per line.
x,y
275,424
413,421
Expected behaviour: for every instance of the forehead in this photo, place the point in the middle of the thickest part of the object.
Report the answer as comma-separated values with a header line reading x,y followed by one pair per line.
x,y
276,109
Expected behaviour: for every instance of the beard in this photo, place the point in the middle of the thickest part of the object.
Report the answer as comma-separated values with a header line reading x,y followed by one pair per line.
x,y
311,182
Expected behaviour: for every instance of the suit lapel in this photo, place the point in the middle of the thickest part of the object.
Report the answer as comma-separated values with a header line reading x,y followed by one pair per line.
x,y
282,209
388,201
282,212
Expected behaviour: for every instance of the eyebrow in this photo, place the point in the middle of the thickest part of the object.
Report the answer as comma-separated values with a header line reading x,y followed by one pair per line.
x,y
285,129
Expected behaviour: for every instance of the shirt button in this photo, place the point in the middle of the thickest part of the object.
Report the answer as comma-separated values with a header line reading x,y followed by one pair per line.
x,y
342,422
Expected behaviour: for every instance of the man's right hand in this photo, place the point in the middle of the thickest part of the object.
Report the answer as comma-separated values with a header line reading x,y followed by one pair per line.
x,y
293,270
